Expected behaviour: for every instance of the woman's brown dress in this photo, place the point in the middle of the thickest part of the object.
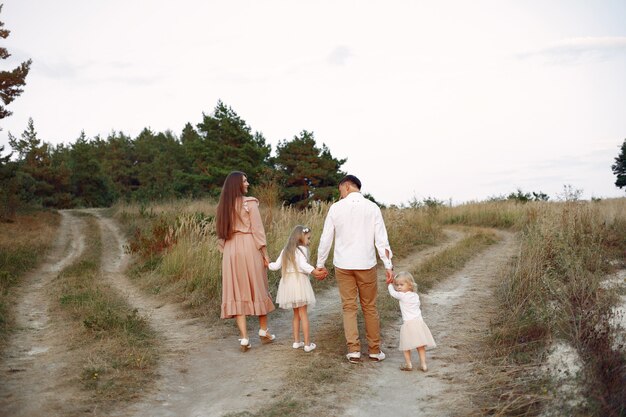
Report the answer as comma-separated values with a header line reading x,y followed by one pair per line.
x,y
245,289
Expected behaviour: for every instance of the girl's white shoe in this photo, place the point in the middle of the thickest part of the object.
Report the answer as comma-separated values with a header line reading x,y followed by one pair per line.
x,y
308,348
297,345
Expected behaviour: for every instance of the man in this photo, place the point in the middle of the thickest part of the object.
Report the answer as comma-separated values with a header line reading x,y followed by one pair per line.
x,y
359,231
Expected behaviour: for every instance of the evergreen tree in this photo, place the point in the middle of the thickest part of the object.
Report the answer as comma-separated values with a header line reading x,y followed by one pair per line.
x,y
32,159
8,188
158,157
307,172
619,167
10,81
191,180
227,144
119,163
90,186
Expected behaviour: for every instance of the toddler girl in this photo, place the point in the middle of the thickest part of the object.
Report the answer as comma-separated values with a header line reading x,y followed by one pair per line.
x,y
414,333
294,288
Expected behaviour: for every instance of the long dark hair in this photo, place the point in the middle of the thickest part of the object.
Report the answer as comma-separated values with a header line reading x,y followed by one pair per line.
x,y
229,204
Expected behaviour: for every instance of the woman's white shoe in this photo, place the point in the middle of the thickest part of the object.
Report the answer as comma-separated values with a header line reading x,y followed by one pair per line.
x,y
265,336
309,348
244,344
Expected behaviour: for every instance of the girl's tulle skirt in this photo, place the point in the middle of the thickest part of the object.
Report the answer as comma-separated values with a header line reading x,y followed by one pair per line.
x,y
295,290
415,333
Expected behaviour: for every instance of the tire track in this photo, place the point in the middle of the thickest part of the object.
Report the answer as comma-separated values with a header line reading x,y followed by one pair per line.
x,y
35,381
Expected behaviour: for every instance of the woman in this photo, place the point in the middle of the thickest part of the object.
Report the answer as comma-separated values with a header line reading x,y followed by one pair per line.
x,y
245,291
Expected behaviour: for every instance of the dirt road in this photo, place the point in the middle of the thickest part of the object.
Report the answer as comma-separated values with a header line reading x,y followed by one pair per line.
x,y
34,372
202,372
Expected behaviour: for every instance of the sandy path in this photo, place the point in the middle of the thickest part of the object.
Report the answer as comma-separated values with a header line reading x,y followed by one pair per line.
x,y
457,311
34,375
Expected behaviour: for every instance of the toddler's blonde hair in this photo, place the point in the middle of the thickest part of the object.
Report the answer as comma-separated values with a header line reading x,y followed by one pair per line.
x,y
407,277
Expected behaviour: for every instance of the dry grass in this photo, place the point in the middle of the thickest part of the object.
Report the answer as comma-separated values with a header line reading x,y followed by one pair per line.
x,y
113,345
185,264
553,291
499,215
23,244
453,259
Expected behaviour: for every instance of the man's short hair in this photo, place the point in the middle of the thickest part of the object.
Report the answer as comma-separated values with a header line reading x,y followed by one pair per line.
x,y
351,179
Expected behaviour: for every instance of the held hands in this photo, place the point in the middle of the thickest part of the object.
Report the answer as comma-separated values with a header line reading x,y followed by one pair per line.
x,y
266,261
320,273
389,276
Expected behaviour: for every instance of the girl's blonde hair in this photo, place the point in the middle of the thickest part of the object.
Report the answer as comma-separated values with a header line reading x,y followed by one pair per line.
x,y
407,277
289,251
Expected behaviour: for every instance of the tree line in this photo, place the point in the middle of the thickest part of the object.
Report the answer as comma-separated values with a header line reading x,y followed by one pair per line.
x,y
95,172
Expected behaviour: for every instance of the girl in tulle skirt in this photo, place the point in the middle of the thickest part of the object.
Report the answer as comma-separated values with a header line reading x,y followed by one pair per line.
x,y
294,289
414,334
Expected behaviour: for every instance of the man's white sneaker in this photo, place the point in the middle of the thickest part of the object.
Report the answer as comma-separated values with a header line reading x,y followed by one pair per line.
x,y
354,357
377,356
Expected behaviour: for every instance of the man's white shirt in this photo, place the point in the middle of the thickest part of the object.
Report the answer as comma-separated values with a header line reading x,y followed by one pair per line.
x,y
358,227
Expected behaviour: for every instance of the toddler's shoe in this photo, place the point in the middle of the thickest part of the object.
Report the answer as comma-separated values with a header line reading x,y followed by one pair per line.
x,y
354,357
297,345
309,348
265,336
377,357
244,345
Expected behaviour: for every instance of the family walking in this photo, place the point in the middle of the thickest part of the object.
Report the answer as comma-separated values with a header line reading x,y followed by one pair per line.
x,y
355,225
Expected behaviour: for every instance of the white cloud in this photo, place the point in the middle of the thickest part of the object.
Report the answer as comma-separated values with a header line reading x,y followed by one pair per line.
x,y
582,49
339,55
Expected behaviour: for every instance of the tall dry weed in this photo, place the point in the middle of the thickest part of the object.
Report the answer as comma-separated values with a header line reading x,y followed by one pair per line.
x,y
495,214
553,291
181,259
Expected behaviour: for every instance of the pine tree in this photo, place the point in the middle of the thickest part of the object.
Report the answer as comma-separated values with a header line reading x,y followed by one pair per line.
x,y
306,172
42,178
619,167
10,81
227,145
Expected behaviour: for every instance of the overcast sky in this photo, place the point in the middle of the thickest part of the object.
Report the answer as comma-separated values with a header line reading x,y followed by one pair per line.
x,y
458,100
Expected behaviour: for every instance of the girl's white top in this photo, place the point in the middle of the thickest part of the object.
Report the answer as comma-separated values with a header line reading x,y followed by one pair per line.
x,y
301,262
409,303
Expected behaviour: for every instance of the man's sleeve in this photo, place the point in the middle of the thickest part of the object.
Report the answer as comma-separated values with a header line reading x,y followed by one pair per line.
x,y
326,240
381,240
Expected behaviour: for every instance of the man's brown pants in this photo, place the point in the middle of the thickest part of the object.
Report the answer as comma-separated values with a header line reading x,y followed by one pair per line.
x,y
364,284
